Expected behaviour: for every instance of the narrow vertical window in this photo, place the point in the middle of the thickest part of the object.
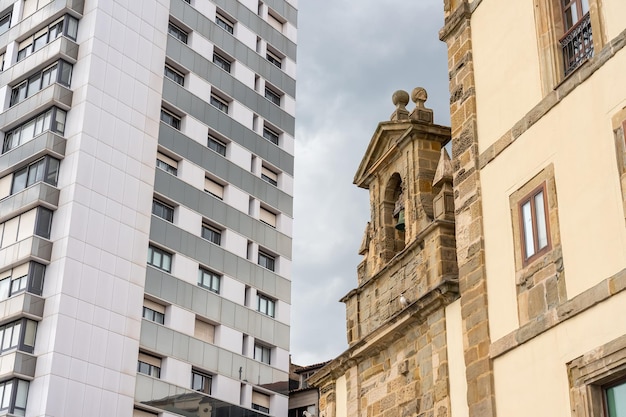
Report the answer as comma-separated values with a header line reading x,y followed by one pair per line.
x,y
533,216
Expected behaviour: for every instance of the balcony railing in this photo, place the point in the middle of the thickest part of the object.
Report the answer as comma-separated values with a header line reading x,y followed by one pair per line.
x,y
577,44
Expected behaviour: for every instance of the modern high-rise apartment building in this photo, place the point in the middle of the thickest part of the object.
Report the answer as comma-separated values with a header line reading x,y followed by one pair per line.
x,y
146,129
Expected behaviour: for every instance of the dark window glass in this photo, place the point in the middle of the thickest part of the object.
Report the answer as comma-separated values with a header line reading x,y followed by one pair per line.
x,y
224,24
219,103
270,135
221,62
174,75
272,96
201,381
216,145
44,222
211,234
209,280
267,261
177,32
262,353
265,305
162,210
170,119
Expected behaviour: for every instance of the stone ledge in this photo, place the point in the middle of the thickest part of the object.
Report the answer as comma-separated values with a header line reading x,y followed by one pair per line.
x,y
582,302
394,328
566,86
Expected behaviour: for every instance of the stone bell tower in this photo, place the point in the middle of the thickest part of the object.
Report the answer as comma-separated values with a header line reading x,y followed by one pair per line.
x,y
396,323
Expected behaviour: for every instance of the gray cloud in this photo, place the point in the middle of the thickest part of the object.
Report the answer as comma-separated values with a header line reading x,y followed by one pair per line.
x,y
352,55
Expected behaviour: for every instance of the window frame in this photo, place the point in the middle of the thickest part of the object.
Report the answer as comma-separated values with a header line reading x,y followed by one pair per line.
x,y
214,280
58,72
152,250
216,145
269,261
265,353
224,23
274,58
45,169
165,211
219,103
266,305
203,376
15,385
273,96
50,121
178,33
530,199
164,163
221,62
271,135
174,75
174,120
63,22
264,171
213,234
153,369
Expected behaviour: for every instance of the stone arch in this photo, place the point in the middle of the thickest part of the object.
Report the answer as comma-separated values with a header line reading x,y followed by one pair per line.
x,y
393,199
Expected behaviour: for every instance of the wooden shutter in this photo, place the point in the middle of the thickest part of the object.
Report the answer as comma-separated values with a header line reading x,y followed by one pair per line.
x,y
261,399
149,359
204,331
169,161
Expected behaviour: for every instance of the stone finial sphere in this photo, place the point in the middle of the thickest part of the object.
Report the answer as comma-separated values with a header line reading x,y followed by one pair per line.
x,y
400,97
419,94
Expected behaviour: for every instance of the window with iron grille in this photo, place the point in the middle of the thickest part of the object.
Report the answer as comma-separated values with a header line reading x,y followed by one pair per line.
x,y
577,42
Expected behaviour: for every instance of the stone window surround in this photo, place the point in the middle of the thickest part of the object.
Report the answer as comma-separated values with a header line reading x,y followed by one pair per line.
x,y
619,132
539,280
590,373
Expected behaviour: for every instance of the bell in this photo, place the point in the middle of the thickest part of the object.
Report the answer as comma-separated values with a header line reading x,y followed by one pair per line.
x,y
400,224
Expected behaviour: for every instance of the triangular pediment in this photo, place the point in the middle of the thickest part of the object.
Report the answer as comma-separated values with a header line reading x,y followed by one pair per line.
x,y
385,145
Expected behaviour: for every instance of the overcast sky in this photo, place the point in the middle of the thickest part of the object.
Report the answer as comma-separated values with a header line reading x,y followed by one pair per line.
x,y
352,56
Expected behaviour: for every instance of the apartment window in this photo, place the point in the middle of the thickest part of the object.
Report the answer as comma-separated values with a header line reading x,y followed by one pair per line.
x,y
270,135
170,119
275,21
153,311
174,75
221,62
224,23
577,43
534,223
204,331
212,234
272,96
262,353
267,217
37,221
162,210
201,381
160,259
13,396
209,280
52,119
45,169
66,26
166,163
274,58
260,402
25,277
149,365
213,188
265,305
19,334
267,261
216,145
177,32
219,103
59,72
269,176
5,23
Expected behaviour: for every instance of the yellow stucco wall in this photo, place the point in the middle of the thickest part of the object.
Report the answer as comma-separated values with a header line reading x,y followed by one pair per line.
x,y
532,379
591,215
456,360
503,41
613,12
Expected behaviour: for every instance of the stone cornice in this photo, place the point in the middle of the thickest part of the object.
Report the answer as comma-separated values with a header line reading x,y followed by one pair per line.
x,y
454,21
571,308
416,244
393,329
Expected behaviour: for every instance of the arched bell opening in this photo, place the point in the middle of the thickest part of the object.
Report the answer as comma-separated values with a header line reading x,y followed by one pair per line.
x,y
393,217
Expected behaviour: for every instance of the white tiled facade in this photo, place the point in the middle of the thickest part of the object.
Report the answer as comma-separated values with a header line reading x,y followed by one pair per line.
x,y
114,152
